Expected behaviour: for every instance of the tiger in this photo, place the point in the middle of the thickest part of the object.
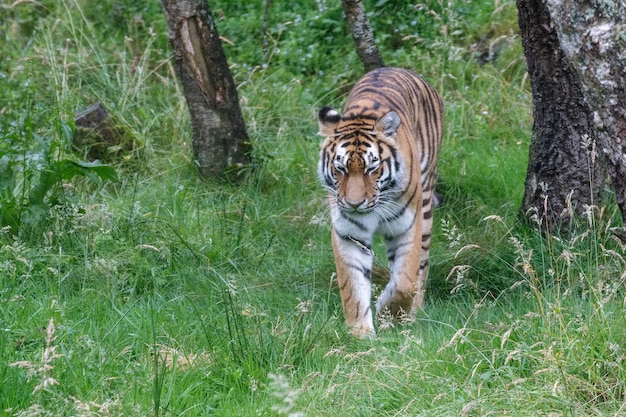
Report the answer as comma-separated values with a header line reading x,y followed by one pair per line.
x,y
378,162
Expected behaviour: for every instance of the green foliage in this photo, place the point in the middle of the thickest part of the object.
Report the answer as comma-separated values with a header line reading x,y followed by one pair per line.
x,y
34,170
160,294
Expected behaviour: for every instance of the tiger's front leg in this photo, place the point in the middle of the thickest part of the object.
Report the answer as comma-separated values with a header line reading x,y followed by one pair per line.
x,y
354,260
407,265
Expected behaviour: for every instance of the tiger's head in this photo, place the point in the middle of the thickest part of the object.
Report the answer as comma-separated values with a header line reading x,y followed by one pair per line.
x,y
357,160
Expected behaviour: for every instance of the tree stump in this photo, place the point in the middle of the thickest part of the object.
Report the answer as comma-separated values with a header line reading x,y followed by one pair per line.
x,y
97,136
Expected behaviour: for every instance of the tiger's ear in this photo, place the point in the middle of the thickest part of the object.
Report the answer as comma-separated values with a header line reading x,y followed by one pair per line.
x,y
388,125
328,119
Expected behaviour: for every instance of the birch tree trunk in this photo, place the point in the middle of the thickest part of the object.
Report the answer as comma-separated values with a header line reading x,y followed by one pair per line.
x,y
564,173
362,34
592,36
220,140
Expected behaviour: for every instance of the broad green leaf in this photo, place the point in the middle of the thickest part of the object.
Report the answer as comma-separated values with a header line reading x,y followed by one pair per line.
x,y
93,170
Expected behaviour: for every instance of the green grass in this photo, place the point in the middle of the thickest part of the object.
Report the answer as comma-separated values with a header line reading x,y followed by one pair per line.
x,y
162,294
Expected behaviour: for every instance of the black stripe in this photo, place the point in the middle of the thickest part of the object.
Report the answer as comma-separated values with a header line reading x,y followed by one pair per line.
x,y
366,272
355,240
352,220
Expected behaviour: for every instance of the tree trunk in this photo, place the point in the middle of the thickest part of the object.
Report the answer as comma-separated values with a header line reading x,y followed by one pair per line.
x,y
564,174
220,141
362,35
593,38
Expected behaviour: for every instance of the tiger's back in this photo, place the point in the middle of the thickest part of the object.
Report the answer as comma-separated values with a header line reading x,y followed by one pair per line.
x,y
378,162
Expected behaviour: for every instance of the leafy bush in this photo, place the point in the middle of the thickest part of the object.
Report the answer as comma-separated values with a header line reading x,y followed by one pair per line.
x,y
36,170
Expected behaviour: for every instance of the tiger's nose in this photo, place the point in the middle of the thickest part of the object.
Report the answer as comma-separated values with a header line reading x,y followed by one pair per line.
x,y
356,204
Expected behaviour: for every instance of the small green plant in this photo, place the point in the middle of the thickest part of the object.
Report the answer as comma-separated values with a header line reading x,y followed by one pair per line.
x,y
36,171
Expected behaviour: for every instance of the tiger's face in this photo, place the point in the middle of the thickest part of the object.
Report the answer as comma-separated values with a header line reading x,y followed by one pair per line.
x,y
355,170
355,161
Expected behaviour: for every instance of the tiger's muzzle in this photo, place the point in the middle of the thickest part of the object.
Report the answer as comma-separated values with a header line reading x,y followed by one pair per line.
x,y
362,206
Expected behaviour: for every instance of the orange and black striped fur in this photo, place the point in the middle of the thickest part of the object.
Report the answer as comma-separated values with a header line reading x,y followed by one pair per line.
x,y
378,162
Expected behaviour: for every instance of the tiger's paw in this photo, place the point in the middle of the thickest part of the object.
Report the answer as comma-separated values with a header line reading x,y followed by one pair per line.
x,y
363,332
362,328
394,303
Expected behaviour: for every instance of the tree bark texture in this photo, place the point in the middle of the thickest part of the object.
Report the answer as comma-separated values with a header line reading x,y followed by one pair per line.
x,y
220,140
592,35
362,35
564,173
